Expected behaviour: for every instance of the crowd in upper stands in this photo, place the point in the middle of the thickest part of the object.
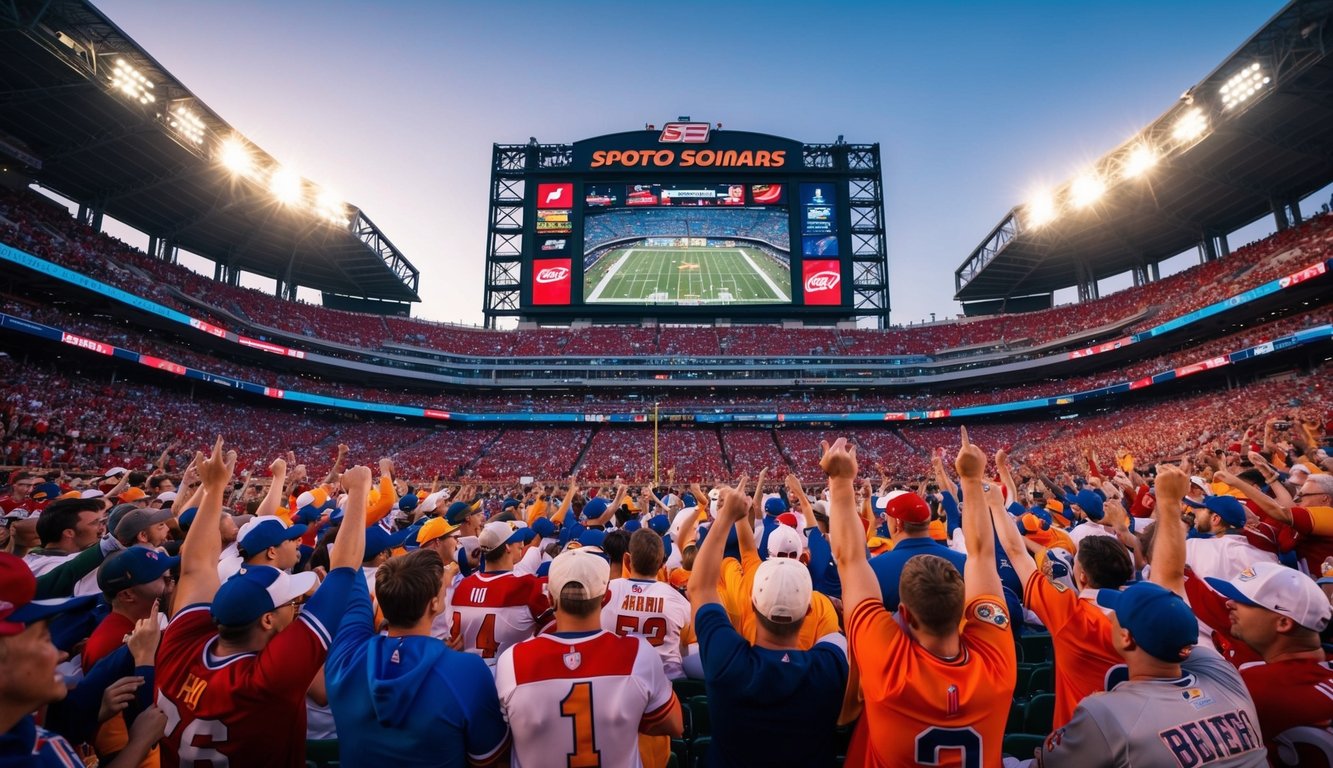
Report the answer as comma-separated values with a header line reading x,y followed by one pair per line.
x,y
766,224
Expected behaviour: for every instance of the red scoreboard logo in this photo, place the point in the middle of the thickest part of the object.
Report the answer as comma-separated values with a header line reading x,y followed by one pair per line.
x,y
684,133
555,195
823,281
551,281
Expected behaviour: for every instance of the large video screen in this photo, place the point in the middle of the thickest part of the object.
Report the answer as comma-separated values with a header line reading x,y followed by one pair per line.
x,y
686,244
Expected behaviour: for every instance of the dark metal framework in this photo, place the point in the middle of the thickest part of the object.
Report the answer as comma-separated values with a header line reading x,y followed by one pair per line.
x,y
858,164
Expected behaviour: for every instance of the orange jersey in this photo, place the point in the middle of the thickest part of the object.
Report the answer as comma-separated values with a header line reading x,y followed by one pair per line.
x,y
923,710
736,588
1081,635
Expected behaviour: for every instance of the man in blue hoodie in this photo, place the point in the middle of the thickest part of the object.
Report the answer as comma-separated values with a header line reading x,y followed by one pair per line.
x,y
406,699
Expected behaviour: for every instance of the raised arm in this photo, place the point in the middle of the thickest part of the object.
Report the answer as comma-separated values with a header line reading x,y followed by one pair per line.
x,y
337,466
203,543
796,492
708,562
846,536
1267,503
942,478
274,498
350,548
1168,547
1013,543
980,577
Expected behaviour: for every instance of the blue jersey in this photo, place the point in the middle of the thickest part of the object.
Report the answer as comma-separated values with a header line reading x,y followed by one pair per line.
x,y
409,701
888,567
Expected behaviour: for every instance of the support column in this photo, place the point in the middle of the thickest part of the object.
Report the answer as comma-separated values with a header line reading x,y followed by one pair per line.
x,y
1209,247
1295,206
1279,215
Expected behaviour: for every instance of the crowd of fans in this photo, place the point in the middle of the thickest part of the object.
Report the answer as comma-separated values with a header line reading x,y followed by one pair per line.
x,y
37,225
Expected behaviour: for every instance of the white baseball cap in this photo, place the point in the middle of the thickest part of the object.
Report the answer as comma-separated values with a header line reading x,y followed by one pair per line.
x,y
785,541
431,502
583,567
781,590
1203,485
167,496
1281,590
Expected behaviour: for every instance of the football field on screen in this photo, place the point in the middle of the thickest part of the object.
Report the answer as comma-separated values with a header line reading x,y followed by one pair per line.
x,y
687,276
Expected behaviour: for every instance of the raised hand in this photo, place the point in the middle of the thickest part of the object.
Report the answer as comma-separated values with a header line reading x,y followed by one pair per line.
x,y
838,460
734,504
1171,483
216,470
971,460
356,477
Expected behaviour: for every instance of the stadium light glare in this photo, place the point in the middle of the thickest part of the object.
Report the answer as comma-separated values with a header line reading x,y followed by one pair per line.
x,y
1243,85
1140,159
1086,189
1040,209
1190,125
131,82
235,157
285,184
329,206
185,121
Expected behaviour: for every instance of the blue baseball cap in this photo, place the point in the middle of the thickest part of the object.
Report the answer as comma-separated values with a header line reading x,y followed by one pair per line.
x,y
459,511
264,532
256,590
775,506
687,499
132,567
631,526
309,513
509,502
1160,621
378,540
660,524
592,538
1229,508
1091,503
408,502
595,507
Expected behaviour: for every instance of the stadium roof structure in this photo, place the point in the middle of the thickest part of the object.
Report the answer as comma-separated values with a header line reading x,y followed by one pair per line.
x,y
1253,137
95,118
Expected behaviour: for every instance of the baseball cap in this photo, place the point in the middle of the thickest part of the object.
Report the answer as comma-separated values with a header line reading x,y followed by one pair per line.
x,y
781,590
1203,484
1030,523
1229,508
138,520
1281,590
659,524
378,540
592,537
132,494
785,541
408,502
44,492
459,511
1161,622
498,534
167,496
595,507
579,567
256,590
18,609
132,567
430,504
114,472
1296,469
263,532
434,528
774,505
1090,503
91,493
118,514
509,503
903,505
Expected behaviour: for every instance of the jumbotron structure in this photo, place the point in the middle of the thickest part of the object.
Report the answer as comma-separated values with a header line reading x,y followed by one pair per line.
x,y
703,280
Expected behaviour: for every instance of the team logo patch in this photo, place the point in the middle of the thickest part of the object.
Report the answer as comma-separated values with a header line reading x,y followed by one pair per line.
x,y
1196,697
992,613
573,660
1246,574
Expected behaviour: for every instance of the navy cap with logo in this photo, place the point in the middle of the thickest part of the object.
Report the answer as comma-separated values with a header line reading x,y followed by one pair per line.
x,y
132,567
459,511
255,591
1160,621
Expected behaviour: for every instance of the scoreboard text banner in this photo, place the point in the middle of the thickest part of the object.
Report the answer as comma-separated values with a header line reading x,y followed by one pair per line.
x,y
551,282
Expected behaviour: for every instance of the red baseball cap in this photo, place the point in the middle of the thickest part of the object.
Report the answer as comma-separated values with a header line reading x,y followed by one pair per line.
x,y
18,587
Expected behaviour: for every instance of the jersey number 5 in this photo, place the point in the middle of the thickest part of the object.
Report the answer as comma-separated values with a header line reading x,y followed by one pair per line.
x,y
578,707
932,741
654,628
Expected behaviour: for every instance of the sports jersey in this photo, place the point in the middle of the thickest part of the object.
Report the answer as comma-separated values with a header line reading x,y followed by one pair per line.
x,y
27,744
652,610
408,701
581,698
888,567
1315,540
1085,660
921,709
1288,694
1204,717
1225,556
492,611
248,708
758,698
1084,530
736,590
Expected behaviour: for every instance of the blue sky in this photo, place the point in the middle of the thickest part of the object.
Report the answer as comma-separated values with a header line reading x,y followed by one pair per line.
x,y
974,104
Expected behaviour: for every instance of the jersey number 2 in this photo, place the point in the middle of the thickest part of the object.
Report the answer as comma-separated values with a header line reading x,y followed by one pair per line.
x,y
578,707
932,741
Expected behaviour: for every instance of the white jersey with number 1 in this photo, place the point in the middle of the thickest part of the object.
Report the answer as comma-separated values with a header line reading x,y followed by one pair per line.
x,y
652,610
580,698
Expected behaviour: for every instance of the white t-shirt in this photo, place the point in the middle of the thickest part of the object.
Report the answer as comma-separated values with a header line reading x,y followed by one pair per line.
x,y
571,698
1223,557
652,610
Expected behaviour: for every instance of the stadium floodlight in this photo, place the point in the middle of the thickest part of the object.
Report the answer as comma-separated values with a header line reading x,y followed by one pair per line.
x,y
235,156
1242,86
1140,159
184,120
131,82
329,205
1086,189
1040,209
285,184
1190,125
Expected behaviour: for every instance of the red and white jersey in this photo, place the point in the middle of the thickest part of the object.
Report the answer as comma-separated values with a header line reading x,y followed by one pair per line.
x,y
246,709
581,698
652,610
493,611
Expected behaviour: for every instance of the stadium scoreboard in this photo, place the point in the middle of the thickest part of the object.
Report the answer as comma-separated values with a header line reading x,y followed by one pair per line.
x,y
686,222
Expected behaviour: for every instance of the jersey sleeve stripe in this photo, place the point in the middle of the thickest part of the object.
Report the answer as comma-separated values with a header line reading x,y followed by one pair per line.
x,y
188,610
492,758
318,628
661,713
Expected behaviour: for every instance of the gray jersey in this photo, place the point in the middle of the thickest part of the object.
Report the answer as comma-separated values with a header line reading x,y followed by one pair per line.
x,y
1205,718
